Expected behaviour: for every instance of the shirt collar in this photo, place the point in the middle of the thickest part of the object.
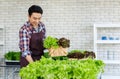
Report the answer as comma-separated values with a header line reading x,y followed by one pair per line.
x,y
28,24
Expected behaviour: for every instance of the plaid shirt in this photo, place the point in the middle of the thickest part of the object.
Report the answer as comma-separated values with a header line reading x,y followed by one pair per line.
x,y
25,34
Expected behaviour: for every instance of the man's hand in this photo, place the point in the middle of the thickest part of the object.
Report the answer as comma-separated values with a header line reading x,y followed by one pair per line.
x,y
29,58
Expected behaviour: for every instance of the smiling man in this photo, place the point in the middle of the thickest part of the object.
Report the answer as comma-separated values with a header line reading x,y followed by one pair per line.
x,y
31,36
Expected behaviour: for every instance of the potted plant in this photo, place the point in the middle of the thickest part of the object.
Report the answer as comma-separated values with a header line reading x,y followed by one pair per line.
x,y
47,68
12,58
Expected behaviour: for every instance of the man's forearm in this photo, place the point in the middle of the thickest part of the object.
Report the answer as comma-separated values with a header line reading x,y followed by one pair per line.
x,y
29,58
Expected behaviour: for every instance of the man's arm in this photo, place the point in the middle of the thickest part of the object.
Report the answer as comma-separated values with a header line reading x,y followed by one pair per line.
x,y
24,44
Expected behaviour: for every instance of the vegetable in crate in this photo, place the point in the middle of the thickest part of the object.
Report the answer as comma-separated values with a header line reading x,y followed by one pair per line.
x,y
56,47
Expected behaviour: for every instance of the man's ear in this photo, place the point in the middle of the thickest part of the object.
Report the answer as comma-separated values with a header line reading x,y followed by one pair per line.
x,y
28,16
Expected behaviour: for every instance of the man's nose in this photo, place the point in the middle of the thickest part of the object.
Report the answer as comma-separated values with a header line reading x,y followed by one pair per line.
x,y
37,21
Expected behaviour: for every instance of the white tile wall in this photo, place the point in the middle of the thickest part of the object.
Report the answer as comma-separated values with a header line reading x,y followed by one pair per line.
x,y
72,19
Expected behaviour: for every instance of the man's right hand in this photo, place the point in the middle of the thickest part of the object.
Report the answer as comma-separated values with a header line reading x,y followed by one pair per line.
x,y
29,58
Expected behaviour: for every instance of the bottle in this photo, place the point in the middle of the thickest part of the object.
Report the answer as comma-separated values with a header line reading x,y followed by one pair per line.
x,y
113,55
108,55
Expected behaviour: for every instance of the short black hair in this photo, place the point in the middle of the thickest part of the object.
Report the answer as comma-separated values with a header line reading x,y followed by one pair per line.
x,y
35,9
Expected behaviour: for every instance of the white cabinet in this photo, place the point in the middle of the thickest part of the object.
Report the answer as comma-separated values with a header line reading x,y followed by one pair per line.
x,y
107,42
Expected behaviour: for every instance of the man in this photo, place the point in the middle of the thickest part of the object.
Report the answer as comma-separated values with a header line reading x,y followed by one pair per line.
x,y
31,35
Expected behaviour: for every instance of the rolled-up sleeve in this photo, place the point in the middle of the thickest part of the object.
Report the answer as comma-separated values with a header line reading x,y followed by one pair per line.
x,y
44,30
24,42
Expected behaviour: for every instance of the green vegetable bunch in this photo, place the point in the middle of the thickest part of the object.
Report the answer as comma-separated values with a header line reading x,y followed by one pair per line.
x,y
46,54
73,51
55,43
50,42
11,55
47,68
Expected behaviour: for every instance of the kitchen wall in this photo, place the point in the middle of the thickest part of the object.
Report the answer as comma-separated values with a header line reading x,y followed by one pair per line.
x,y
72,19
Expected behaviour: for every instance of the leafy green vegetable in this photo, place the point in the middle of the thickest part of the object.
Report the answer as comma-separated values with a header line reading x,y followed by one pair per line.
x,y
46,54
60,58
73,51
47,68
50,42
11,55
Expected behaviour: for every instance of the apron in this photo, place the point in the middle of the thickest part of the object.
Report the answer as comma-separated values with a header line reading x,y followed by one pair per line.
x,y
36,46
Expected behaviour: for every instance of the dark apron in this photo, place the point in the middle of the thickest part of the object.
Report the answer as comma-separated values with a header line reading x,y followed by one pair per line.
x,y
36,46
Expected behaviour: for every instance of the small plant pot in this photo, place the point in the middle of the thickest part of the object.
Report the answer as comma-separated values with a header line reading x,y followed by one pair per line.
x,y
12,62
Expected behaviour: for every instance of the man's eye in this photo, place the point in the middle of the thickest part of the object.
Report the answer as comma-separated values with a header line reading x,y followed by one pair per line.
x,y
39,18
35,18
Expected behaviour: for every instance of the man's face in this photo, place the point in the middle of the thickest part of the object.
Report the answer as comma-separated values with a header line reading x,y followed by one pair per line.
x,y
35,19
